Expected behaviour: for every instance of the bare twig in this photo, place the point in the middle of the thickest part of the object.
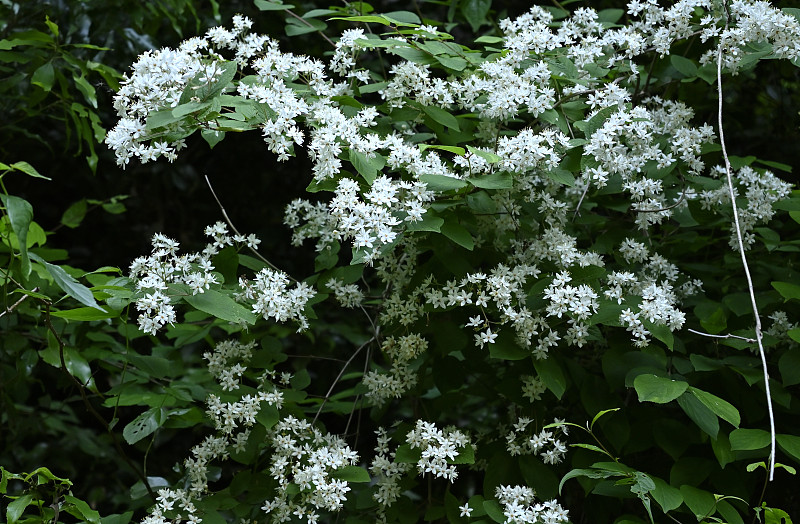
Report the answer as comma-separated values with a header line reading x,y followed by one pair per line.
x,y
230,223
16,304
728,173
750,340
336,381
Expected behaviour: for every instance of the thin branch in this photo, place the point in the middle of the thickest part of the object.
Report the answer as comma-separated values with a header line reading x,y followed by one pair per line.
x,y
744,257
292,13
16,304
750,340
230,223
336,381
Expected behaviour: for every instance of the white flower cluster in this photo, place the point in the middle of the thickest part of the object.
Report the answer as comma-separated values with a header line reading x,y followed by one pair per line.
x,y
532,387
402,376
780,326
272,297
348,295
153,274
307,458
761,189
519,507
438,447
166,503
520,442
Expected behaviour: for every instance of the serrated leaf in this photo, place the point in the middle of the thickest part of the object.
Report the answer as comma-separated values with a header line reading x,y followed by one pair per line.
x,y
652,388
143,425
69,285
28,170
221,306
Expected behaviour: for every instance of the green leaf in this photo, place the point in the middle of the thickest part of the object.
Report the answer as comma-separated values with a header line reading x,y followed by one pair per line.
x,y
684,66
790,444
442,183
429,222
28,170
69,285
15,509
20,213
74,214
295,27
221,306
729,513
475,12
787,290
490,158
89,515
700,414
668,497
493,509
143,425
351,474
265,5
212,136
652,388
44,76
721,408
87,89
699,501
407,455
789,365
366,167
85,314
268,416
749,439
551,374
442,117
496,180
600,414
458,234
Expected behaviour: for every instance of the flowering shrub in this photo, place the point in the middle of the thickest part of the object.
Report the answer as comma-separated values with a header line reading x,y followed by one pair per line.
x,y
514,237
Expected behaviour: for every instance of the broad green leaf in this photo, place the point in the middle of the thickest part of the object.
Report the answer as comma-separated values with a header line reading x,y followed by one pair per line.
x,y
700,414
20,213
789,366
44,76
74,214
787,290
684,66
28,170
144,425
221,306
87,89
268,415
729,513
790,444
212,136
351,474
749,439
458,234
16,508
460,151
442,117
408,455
668,497
551,374
85,314
442,183
590,473
265,5
721,408
88,514
699,501
496,180
466,455
490,158
493,509
295,27
429,222
652,388
366,167
69,285
475,12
